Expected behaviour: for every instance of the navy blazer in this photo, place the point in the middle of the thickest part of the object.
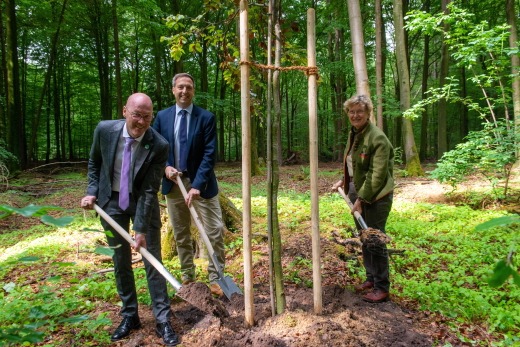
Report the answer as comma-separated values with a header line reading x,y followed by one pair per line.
x,y
147,169
202,152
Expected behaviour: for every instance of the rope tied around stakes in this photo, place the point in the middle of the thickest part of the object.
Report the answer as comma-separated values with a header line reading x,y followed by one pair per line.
x,y
308,70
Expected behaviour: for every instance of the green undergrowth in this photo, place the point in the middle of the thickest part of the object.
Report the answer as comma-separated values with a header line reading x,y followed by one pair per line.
x,y
48,281
448,264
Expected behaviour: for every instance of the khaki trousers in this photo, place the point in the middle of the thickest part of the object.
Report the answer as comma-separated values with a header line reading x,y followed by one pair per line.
x,y
210,214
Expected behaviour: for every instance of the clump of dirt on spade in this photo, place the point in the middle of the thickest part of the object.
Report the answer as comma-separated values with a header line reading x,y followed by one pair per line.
x,y
374,238
199,295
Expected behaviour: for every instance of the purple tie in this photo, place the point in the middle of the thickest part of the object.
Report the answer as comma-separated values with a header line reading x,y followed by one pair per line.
x,y
183,141
124,195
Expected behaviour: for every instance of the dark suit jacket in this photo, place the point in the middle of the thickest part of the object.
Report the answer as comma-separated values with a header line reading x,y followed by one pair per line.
x,y
147,165
202,142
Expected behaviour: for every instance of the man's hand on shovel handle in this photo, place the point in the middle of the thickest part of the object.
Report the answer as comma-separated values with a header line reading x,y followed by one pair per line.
x,y
171,173
193,194
88,202
140,241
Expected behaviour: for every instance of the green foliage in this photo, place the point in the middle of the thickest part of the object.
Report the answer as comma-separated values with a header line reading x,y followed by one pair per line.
x,y
504,268
235,244
448,263
490,152
27,313
36,211
298,270
8,162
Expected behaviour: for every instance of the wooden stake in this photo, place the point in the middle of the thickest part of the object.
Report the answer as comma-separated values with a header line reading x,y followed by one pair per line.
x,y
313,156
246,164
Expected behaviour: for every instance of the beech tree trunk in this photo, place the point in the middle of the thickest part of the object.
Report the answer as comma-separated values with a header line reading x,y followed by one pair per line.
x,y
413,165
515,68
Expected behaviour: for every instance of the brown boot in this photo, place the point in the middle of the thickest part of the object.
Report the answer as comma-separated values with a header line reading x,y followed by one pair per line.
x,y
376,296
367,285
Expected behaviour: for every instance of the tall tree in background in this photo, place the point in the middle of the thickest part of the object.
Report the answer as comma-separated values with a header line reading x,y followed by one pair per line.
x,y
45,91
15,120
413,165
380,62
442,135
358,49
515,68
99,23
3,78
117,59
423,152
338,83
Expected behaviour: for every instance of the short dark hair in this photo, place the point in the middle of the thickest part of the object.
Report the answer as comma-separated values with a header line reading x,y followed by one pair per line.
x,y
182,74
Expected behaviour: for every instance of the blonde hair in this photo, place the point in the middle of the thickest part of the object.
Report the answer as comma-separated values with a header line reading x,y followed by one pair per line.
x,y
359,100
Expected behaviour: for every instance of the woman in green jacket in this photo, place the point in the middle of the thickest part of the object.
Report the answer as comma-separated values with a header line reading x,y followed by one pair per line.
x,y
368,178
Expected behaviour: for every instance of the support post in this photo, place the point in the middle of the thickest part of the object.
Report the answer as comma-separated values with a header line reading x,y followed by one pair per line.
x,y
246,164
313,156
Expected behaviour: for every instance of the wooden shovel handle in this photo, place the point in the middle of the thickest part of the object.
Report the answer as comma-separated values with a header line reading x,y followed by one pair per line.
x,y
155,263
357,215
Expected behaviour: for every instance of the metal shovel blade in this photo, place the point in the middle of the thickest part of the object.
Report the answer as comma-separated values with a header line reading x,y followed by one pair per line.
x,y
228,286
225,282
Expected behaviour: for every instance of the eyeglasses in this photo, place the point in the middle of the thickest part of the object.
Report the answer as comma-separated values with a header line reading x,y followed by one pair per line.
x,y
358,112
138,116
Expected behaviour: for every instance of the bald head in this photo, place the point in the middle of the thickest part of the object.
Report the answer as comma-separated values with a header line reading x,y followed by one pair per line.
x,y
138,112
139,99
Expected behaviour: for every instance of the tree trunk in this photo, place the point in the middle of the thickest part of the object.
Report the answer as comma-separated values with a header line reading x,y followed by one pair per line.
x,y
358,49
274,180
424,87
442,141
515,69
221,119
117,60
3,78
15,121
46,86
380,63
99,31
269,156
56,112
413,165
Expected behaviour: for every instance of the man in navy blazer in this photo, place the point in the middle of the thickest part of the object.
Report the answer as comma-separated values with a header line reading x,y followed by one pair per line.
x,y
106,172
198,176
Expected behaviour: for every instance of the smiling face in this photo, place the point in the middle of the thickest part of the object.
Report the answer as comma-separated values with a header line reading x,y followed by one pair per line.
x,y
184,91
138,113
358,116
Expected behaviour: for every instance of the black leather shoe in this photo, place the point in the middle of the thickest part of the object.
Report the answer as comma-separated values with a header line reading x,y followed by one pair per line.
x,y
166,331
123,330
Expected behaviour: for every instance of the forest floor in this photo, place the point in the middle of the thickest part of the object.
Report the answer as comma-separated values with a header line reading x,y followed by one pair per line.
x,y
346,320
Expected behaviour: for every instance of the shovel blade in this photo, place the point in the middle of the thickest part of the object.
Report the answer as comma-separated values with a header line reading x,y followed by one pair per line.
x,y
228,286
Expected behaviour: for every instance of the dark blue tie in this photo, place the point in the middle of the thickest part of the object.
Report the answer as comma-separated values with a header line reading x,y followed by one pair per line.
x,y
183,141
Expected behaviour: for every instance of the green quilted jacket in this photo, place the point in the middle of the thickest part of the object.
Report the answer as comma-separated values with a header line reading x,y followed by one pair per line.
x,y
372,161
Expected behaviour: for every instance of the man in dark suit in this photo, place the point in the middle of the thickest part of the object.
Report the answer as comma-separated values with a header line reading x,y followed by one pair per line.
x,y
192,153
129,192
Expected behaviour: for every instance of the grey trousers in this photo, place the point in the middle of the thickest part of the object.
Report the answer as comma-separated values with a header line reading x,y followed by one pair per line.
x,y
376,261
122,258
210,214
